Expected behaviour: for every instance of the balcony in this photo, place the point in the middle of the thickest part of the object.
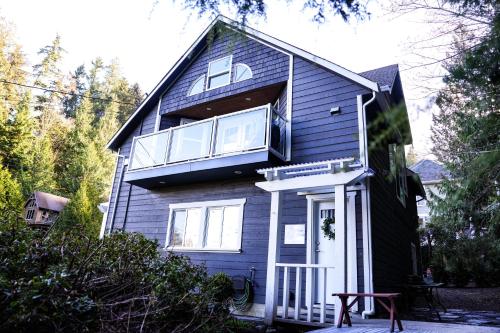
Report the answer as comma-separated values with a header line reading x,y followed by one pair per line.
x,y
214,148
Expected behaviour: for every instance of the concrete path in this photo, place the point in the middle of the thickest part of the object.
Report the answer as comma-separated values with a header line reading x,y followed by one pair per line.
x,y
382,326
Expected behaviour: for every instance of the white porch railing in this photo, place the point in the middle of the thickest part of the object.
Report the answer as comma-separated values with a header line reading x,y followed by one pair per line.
x,y
313,274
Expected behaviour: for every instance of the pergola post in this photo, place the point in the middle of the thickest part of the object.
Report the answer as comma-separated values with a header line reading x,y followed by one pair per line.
x,y
340,284
273,255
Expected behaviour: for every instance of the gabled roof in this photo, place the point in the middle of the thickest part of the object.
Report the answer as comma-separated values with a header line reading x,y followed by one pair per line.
x,y
430,171
198,46
50,201
384,76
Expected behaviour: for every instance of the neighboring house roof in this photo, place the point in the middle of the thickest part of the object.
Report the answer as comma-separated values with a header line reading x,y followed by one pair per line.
x,y
430,171
416,181
384,76
50,201
185,61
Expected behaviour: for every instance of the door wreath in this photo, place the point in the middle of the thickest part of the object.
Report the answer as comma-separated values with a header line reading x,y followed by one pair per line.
x,y
327,228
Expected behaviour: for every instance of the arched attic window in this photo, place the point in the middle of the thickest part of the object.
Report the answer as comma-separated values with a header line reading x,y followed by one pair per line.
x,y
198,86
242,72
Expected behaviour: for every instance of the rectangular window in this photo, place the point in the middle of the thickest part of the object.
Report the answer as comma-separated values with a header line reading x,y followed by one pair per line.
x,y
219,72
29,214
206,226
398,171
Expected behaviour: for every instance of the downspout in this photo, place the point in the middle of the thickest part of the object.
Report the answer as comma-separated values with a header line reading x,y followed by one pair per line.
x,y
367,239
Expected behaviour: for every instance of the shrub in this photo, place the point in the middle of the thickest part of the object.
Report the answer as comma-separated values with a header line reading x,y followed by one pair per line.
x,y
67,282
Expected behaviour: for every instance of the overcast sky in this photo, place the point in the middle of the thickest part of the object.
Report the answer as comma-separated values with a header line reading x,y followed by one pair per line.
x,y
148,39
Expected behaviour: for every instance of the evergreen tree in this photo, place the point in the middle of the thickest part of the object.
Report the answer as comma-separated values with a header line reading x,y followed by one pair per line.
x,y
39,174
76,159
77,85
10,196
82,210
465,222
16,138
48,75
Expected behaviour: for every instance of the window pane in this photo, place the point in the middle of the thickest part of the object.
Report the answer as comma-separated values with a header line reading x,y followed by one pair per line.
x,y
242,72
191,142
219,80
179,220
214,229
197,86
231,228
241,132
149,151
192,235
218,66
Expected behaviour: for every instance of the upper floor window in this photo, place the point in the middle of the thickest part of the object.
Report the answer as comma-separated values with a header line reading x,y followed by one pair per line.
x,y
206,226
198,86
398,170
219,72
242,72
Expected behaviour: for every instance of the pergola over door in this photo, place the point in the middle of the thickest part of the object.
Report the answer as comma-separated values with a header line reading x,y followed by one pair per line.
x,y
333,176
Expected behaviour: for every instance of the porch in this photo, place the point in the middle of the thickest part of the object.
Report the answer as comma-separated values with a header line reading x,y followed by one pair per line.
x,y
301,292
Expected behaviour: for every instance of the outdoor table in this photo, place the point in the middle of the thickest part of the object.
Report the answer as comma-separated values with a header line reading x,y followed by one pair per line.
x,y
391,308
430,294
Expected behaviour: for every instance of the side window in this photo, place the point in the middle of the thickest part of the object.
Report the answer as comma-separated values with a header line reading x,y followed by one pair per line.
x,y
197,87
242,72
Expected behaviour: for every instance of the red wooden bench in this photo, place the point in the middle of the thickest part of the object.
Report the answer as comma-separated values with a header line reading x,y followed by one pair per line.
x,y
391,307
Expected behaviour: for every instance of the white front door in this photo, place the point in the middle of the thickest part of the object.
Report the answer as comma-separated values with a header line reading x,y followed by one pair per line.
x,y
325,251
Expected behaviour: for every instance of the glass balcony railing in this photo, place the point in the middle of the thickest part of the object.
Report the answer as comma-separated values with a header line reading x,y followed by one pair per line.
x,y
253,129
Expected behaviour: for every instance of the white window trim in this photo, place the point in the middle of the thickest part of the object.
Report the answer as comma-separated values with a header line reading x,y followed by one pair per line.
x,y
201,77
244,65
218,73
204,205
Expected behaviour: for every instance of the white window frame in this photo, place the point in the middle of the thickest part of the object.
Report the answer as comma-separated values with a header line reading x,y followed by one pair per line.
x,y
204,206
202,77
229,71
243,65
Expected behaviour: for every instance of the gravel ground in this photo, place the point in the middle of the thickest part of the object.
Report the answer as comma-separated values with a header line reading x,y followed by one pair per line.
x,y
471,299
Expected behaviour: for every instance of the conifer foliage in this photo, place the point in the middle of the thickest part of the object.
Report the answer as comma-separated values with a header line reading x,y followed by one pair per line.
x,y
53,139
465,219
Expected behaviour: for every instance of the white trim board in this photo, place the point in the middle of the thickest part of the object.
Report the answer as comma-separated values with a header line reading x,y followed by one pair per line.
x,y
261,37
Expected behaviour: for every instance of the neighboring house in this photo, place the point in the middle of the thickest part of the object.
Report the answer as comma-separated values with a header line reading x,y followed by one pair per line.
x,y
42,209
431,174
242,152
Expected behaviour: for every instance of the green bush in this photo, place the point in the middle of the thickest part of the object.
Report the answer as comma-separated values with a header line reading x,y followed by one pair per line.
x,y
67,282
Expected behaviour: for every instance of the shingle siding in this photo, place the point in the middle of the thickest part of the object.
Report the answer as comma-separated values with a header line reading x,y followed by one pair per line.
x,y
268,66
316,134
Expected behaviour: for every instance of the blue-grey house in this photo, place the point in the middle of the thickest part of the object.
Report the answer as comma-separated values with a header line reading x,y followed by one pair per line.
x,y
254,157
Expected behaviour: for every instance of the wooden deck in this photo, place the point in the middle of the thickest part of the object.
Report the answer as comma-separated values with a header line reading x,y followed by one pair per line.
x,y
382,326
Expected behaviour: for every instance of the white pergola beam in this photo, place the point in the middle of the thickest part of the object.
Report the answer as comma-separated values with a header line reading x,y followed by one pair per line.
x,y
308,182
